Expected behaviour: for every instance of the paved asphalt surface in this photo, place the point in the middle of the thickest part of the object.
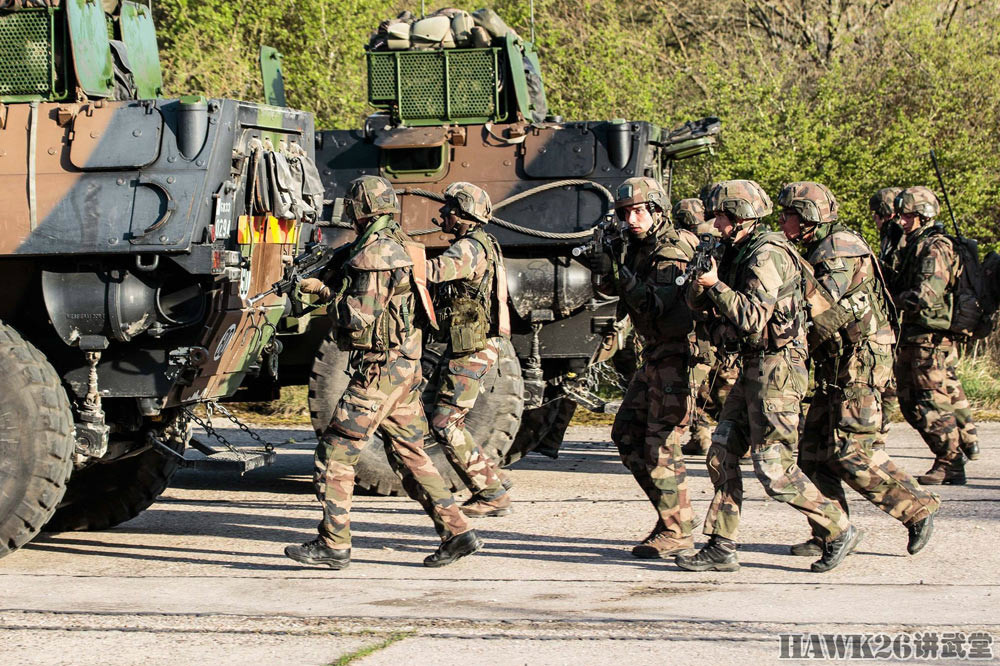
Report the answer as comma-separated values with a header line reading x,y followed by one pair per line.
x,y
200,576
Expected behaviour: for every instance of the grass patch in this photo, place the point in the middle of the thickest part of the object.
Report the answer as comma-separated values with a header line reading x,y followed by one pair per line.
x,y
981,379
361,653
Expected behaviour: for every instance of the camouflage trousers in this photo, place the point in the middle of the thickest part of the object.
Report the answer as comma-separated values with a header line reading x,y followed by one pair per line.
x,y
890,405
461,384
843,423
932,399
383,395
648,428
762,414
715,380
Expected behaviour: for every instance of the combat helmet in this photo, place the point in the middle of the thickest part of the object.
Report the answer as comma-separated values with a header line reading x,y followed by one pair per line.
x,y
881,202
741,200
369,196
814,203
640,190
472,201
917,199
688,214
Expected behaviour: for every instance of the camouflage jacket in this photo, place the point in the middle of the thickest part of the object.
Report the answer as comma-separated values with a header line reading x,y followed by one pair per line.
x,y
471,265
923,286
758,296
845,264
649,294
376,311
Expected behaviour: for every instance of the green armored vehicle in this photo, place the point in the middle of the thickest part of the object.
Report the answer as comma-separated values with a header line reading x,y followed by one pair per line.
x,y
135,232
461,98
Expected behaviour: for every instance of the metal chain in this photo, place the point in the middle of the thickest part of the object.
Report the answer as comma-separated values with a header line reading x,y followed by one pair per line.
x,y
207,427
244,427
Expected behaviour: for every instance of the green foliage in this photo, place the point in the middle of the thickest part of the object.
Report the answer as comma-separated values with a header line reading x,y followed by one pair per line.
x,y
854,100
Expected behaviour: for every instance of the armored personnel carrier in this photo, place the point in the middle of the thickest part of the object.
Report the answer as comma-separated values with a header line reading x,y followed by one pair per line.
x,y
134,232
460,97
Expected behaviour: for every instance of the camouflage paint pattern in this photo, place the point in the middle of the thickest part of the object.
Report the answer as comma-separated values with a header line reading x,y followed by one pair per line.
x,y
466,262
657,406
931,396
461,384
648,430
761,303
714,375
382,394
384,391
761,415
841,428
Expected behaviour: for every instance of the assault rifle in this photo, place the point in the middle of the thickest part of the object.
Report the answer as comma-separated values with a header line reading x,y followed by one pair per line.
x,y
310,263
708,248
609,236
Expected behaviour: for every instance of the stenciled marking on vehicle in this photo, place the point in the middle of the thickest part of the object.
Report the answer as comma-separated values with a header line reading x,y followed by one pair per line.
x,y
227,337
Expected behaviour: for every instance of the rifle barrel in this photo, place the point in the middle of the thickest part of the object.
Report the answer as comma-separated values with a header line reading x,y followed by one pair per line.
x,y
944,191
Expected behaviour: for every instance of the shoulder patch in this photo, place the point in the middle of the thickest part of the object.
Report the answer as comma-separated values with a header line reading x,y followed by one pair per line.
x,y
382,254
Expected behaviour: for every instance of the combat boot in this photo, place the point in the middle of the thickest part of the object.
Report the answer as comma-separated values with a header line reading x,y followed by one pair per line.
x,y
836,550
971,450
477,507
317,552
811,548
719,554
920,534
949,473
454,548
661,544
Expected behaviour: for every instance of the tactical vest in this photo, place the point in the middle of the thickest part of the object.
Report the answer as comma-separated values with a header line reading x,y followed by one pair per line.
x,y
868,302
937,317
670,244
394,325
472,313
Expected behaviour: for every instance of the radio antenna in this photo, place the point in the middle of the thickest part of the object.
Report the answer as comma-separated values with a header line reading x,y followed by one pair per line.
x,y
531,12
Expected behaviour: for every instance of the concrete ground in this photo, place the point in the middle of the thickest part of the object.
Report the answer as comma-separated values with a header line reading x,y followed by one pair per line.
x,y
200,576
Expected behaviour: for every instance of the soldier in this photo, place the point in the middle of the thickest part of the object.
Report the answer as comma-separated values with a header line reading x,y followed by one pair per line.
x,y
890,247
890,253
851,371
760,308
930,394
375,316
473,293
657,404
714,373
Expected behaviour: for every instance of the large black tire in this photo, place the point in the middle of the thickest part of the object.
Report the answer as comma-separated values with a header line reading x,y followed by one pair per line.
x,y
36,440
107,494
493,422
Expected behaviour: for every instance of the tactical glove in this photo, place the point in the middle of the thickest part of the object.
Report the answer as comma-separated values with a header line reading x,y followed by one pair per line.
x,y
315,286
601,263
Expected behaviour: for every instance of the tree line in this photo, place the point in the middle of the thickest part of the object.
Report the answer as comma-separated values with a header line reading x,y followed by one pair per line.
x,y
851,93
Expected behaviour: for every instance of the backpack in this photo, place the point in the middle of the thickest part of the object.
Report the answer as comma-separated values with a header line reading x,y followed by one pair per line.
x,y
974,304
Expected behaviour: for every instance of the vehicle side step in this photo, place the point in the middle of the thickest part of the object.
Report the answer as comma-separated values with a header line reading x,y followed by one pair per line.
x,y
204,457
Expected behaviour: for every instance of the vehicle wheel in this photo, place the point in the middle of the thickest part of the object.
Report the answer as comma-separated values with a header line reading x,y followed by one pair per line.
x,y
36,440
107,494
493,422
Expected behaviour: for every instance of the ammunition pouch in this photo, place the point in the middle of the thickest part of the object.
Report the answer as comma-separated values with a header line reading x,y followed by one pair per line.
x,y
469,325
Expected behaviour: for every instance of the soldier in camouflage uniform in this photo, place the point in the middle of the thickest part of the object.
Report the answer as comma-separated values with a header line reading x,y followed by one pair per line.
x,y
892,247
714,372
760,308
375,316
851,371
930,394
657,405
473,292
